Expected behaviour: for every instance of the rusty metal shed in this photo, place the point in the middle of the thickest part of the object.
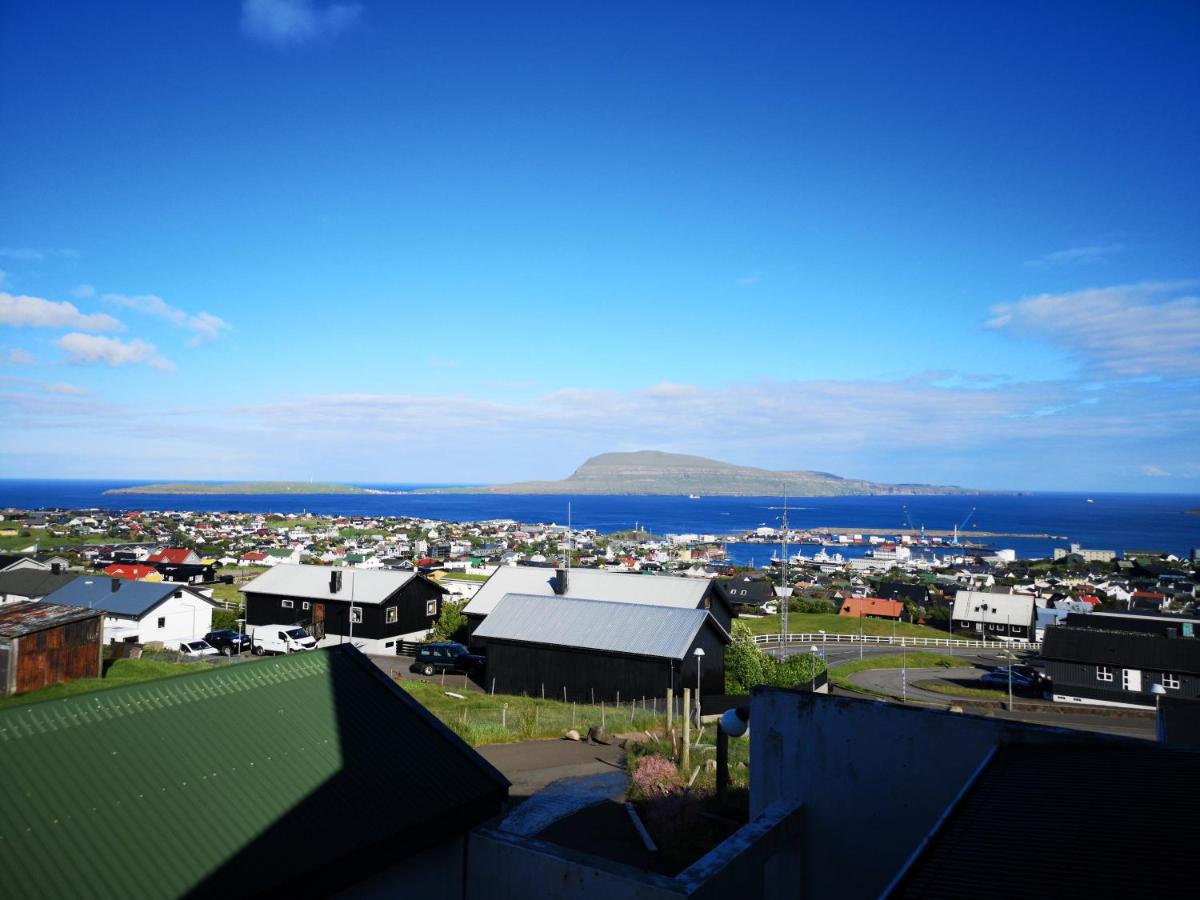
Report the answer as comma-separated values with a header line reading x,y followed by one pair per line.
x,y
45,643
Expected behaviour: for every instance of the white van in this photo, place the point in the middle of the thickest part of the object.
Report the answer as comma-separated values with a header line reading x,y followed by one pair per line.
x,y
280,639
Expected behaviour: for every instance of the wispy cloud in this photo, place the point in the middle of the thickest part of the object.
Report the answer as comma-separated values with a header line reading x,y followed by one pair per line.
x,y
83,292
22,311
71,390
747,280
435,362
1125,330
204,326
1076,256
32,254
283,22
19,357
92,349
1155,472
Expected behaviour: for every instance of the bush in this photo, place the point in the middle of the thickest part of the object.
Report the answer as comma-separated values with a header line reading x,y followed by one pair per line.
x,y
451,624
224,618
812,605
653,773
745,664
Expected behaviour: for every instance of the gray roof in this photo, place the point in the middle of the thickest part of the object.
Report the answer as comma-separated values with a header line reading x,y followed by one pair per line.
x,y
33,583
983,606
132,599
590,584
358,585
632,628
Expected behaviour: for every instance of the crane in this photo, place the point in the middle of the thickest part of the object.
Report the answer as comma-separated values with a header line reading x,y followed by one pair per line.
x,y
783,576
913,525
958,528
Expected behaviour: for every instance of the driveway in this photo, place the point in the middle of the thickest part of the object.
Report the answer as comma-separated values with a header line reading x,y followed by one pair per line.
x,y
397,667
534,765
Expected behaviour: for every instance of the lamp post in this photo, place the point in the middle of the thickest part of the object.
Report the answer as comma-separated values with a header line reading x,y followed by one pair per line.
x,y
699,654
241,634
813,651
1158,690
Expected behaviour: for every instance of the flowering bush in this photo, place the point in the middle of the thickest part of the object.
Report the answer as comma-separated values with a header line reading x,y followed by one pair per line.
x,y
652,772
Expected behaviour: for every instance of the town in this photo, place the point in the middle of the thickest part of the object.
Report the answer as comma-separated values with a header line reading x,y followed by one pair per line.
x,y
628,648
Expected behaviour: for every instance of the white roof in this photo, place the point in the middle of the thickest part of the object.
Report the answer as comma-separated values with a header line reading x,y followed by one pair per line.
x,y
312,582
590,584
981,606
633,628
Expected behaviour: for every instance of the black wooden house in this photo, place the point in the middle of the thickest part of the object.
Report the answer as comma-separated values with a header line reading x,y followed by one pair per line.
x,y
375,608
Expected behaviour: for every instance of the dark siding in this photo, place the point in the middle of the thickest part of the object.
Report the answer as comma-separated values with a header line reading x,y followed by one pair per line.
x,y
59,654
410,603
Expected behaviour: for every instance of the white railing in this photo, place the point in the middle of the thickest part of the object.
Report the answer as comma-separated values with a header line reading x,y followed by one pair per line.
x,y
899,641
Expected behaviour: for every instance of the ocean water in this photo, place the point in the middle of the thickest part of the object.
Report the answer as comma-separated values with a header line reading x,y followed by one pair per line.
x,y
1111,521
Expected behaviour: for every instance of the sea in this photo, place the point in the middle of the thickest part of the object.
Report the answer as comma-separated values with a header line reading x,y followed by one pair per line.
x,y
1105,521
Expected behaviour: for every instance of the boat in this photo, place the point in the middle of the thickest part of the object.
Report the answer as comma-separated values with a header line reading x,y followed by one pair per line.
x,y
1090,500
697,497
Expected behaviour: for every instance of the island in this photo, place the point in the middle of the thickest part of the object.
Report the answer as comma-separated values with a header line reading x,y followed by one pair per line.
x,y
651,472
243,487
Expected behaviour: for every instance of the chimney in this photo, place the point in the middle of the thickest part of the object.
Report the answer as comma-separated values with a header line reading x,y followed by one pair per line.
x,y
55,568
335,581
116,585
560,582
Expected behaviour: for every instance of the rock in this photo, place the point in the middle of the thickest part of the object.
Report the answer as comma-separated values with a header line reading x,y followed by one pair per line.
x,y
598,735
955,709
710,765
740,765
572,735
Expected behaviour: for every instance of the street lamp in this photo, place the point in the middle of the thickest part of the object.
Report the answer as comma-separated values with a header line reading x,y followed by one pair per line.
x,y
1158,690
241,634
699,654
813,650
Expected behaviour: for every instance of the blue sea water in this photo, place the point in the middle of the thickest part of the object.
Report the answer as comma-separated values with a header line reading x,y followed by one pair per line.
x,y
1111,521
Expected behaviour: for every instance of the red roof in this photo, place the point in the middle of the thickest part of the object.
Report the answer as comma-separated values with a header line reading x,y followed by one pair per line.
x,y
129,570
174,555
871,606
253,555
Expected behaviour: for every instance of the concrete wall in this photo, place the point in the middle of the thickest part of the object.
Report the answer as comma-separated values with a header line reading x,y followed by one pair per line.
x,y
873,778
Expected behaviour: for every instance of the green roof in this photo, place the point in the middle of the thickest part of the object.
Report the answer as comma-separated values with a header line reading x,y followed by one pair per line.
x,y
312,768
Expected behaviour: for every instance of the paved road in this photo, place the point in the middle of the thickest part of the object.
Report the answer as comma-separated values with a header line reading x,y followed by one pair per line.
x,y
891,681
532,765
397,666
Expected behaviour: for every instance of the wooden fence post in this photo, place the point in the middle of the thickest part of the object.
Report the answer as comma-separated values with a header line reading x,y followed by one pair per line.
x,y
687,729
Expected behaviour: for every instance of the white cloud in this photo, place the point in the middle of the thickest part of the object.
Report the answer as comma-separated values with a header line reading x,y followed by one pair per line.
x,y
90,348
746,280
71,390
1125,330
204,326
1155,472
34,312
83,292
18,357
32,254
283,22
1075,256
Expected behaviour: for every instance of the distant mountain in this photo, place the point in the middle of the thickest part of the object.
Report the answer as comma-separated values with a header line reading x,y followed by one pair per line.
x,y
242,487
652,472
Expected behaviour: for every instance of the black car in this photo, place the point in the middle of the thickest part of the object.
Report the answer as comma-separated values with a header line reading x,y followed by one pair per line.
x,y
228,641
446,657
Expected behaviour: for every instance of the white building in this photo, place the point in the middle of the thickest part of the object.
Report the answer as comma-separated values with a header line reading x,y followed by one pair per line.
x,y
141,611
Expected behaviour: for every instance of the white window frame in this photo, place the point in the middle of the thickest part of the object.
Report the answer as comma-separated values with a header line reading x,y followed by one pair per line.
x,y
431,607
391,615
356,615
288,604
1170,681
305,605
1104,673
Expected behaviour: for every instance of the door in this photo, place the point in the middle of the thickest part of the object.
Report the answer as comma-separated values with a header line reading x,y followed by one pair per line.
x,y
1131,679
318,621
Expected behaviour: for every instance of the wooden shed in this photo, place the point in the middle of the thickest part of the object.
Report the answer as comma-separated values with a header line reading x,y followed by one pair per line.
x,y
45,643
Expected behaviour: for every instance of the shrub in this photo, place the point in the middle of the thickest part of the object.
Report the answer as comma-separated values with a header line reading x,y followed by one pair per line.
x,y
652,773
224,618
451,624
745,664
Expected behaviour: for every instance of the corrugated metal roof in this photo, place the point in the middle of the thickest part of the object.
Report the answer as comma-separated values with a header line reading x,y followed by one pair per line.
x,y
633,628
132,598
231,782
982,606
590,584
358,585
33,583
17,619
1050,820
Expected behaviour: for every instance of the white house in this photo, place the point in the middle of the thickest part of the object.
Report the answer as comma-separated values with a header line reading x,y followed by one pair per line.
x,y
141,611
998,617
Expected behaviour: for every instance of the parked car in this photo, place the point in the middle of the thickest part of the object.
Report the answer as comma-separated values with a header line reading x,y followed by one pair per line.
x,y
197,649
281,639
1000,678
446,657
230,642
1040,678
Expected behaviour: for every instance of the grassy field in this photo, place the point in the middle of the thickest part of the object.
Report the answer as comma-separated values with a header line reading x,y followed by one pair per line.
x,y
46,541
461,576
123,671
835,624
230,593
916,659
480,718
959,690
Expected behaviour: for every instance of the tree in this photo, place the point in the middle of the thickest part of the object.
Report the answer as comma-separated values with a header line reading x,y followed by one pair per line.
x,y
745,664
452,623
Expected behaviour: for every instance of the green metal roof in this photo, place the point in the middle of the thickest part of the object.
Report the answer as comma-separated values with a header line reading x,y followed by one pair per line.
x,y
311,768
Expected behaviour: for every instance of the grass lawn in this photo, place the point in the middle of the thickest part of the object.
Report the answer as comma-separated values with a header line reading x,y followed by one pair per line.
x,y
123,671
480,718
835,624
46,541
230,593
461,576
958,690
916,659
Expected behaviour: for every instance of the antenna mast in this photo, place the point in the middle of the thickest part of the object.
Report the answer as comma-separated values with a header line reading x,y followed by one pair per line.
x,y
783,619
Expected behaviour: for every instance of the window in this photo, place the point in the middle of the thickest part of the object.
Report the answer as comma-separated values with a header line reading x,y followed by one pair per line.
x,y
305,605
431,608
356,615
390,615
288,604
1104,673
162,621
1170,681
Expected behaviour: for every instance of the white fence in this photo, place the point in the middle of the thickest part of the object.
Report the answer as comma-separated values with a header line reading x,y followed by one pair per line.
x,y
898,640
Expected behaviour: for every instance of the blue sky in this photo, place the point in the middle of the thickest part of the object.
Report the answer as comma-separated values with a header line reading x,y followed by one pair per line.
x,y
471,242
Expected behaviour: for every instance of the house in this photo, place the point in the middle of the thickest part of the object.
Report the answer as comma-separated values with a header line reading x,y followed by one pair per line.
x,y
307,775
375,608
595,584
140,612
179,556
44,643
591,650
751,593
42,562
187,573
872,608
31,584
998,617
133,571
1115,659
